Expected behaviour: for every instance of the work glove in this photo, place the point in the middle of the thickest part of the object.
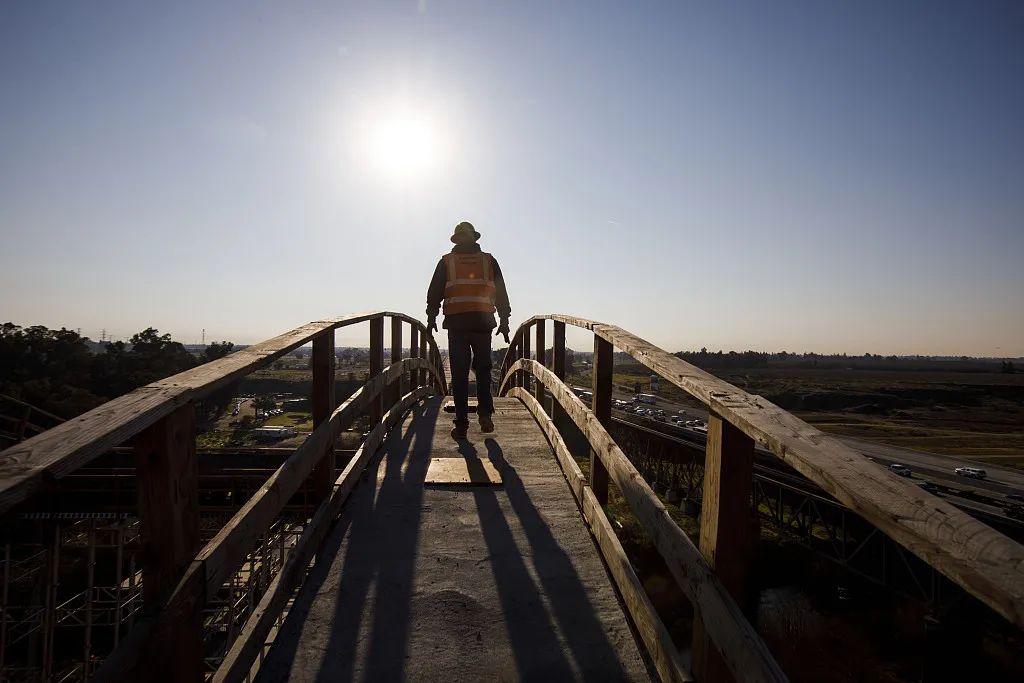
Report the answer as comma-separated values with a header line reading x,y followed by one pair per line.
x,y
503,331
432,324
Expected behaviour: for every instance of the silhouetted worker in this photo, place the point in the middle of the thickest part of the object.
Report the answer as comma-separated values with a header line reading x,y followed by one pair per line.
x,y
469,282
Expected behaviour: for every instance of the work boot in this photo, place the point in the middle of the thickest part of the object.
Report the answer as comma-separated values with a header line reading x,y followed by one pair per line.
x,y
486,423
459,432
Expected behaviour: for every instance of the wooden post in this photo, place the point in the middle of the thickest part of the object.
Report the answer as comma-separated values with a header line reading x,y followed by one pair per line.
x,y
602,407
558,415
525,347
540,359
424,378
321,479
377,364
414,352
724,529
395,391
167,477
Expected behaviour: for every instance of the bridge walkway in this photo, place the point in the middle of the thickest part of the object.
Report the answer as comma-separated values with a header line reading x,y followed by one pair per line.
x,y
434,582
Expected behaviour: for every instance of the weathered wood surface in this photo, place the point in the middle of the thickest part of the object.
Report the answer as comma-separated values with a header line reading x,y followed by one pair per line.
x,y
27,466
725,518
444,583
322,476
168,492
651,629
601,405
744,652
983,561
238,661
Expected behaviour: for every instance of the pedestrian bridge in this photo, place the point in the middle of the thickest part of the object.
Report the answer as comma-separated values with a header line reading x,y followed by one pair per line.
x,y
506,568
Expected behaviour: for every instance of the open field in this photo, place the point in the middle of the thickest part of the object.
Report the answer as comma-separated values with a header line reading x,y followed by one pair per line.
x,y
975,415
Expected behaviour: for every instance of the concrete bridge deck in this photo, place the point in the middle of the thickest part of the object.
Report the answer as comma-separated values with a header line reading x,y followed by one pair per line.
x,y
440,583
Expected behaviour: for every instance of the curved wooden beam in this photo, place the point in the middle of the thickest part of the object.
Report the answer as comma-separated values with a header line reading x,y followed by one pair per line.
x,y
742,649
27,466
983,561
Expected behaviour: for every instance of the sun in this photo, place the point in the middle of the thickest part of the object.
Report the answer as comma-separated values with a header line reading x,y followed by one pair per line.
x,y
404,145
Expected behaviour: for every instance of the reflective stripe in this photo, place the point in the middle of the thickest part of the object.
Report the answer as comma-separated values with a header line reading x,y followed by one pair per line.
x,y
467,299
466,281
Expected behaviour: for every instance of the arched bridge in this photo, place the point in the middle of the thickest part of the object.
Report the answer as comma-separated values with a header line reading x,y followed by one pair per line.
x,y
416,557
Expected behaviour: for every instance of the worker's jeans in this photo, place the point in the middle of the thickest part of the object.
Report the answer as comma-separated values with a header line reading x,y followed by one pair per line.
x,y
465,349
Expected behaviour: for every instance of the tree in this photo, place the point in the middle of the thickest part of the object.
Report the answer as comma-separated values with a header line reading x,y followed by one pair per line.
x,y
216,350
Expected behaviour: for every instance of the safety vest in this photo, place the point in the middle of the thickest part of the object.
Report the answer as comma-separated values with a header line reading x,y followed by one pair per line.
x,y
470,284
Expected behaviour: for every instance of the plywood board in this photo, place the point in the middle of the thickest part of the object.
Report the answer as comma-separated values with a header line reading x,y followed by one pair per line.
x,y
449,406
462,471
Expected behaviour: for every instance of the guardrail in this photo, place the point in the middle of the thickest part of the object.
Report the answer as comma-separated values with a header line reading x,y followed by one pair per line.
x,y
984,562
166,643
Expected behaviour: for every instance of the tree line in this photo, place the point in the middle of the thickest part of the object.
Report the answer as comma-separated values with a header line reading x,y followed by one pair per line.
x,y
57,371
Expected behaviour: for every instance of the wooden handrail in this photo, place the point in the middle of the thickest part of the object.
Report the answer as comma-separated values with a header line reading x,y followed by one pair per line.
x,y
983,561
27,466
743,651
226,551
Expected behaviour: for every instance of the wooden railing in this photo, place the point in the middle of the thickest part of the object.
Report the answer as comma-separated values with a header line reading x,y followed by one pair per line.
x,y
986,563
159,421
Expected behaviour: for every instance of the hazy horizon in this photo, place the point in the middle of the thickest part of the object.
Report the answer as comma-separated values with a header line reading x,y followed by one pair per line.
x,y
799,176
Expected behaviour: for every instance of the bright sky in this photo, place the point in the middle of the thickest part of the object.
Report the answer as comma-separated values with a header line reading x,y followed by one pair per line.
x,y
803,176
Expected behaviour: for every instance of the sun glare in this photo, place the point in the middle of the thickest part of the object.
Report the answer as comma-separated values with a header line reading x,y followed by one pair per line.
x,y
404,145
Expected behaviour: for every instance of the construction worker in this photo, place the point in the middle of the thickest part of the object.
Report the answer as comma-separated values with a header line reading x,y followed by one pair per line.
x,y
470,284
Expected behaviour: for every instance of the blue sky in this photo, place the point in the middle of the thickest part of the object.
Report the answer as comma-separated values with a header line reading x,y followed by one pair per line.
x,y
801,176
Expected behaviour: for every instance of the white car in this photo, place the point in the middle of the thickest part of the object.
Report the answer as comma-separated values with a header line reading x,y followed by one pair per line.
x,y
972,472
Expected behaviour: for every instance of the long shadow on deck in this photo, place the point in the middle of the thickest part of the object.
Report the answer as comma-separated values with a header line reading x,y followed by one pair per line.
x,y
384,528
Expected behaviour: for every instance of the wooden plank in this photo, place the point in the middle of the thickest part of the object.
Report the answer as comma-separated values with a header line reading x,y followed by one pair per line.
x,y
724,529
744,652
648,624
465,471
423,354
525,352
602,407
322,478
395,391
540,346
238,661
28,466
168,493
414,352
376,362
983,561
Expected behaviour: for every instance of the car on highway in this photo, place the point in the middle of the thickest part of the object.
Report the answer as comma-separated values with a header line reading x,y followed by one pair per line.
x,y
972,472
1019,497
928,486
899,469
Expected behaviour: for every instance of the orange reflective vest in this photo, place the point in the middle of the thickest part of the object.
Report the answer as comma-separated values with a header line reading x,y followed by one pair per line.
x,y
470,284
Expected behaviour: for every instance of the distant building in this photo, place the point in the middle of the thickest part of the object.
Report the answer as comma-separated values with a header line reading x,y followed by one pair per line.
x,y
275,433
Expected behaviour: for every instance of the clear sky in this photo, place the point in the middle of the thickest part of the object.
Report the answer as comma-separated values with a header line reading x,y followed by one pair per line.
x,y
835,177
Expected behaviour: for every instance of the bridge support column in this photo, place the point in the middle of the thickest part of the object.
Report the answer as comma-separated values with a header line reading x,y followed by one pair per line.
x,y
321,479
602,407
167,477
724,529
376,365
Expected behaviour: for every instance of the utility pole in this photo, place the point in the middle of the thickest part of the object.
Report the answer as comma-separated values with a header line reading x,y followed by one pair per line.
x,y
204,336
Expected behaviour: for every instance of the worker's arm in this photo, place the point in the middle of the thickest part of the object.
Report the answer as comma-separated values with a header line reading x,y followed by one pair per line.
x,y
435,293
500,294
